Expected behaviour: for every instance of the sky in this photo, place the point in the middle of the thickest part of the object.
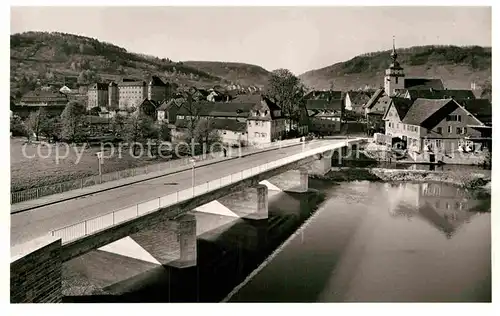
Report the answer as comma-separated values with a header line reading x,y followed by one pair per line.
x,y
296,38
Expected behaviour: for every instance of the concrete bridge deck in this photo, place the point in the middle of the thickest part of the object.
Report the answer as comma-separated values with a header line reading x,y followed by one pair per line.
x,y
38,222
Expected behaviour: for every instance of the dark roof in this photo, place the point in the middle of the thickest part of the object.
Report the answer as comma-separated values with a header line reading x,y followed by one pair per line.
x,y
359,98
324,95
426,112
156,81
480,108
260,103
112,83
45,96
220,124
131,83
402,106
376,95
441,94
218,109
423,83
99,86
318,105
165,105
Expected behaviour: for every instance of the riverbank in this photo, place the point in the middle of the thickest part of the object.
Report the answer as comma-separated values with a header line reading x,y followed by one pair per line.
x,y
476,181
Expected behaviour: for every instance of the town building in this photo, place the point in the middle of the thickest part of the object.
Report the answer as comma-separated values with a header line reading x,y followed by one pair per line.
x,y
395,85
255,119
355,101
130,94
97,96
113,98
436,129
325,109
52,101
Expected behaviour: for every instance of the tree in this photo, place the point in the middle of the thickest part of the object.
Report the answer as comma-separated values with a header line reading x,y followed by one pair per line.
x,y
205,132
17,127
193,111
38,123
72,122
139,128
164,132
288,92
118,124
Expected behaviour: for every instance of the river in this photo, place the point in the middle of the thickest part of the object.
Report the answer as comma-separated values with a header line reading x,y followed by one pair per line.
x,y
362,242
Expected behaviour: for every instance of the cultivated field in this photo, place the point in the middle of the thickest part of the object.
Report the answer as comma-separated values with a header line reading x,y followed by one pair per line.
x,y
39,171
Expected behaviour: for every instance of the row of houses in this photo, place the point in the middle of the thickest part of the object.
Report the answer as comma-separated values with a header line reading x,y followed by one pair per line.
x,y
427,119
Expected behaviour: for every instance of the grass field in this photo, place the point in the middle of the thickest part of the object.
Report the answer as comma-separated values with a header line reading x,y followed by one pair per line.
x,y
39,171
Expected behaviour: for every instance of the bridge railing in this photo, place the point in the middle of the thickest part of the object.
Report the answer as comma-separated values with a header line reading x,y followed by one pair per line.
x,y
60,187
90,226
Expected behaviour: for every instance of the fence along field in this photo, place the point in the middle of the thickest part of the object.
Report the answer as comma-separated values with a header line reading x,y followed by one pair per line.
x,y
43,176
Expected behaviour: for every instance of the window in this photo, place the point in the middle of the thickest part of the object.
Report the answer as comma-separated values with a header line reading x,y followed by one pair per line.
x,y
459,118
464,130
264,134
449,129
249,123
440,130
459,130
397,126
438,143
257,134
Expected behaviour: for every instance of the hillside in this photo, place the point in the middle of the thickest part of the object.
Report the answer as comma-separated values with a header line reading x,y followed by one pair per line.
x,y
456,66
48,57
238,73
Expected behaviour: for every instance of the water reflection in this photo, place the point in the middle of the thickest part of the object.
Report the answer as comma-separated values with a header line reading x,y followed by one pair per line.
x,y
384,243
443,206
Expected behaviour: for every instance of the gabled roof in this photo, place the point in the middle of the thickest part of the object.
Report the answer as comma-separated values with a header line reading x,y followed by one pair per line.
x,y
402,106
480,108
324,95
429,112
423,83
220,124
44,96
99,86
441,94
156,81
165,105
206,108
374,98
359,98
320,105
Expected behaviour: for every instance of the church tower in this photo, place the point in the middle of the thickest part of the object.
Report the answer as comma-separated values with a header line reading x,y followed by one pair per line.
x,y
394,75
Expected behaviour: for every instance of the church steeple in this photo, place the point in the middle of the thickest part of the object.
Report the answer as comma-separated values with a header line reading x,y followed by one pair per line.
x,y
394,55
394,75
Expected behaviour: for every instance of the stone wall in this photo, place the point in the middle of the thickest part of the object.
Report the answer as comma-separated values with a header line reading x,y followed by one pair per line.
x,y
35,271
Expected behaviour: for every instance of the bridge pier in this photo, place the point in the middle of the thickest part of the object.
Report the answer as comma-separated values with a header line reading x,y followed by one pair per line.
x,y
322,164
171,242
295,181
249,203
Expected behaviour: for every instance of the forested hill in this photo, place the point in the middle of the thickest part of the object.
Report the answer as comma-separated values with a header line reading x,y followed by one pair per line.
x,y
456,66
49,57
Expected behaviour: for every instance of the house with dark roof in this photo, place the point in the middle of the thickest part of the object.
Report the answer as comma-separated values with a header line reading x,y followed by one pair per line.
x,y
397,85
439,127
325,116
262,118
231,132
52,101
438,94
356,100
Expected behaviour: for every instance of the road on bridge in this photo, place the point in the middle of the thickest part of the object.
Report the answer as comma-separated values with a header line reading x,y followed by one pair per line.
x,y
40,221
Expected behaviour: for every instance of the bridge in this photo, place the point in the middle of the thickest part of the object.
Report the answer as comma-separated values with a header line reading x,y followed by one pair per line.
x,y
44,237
